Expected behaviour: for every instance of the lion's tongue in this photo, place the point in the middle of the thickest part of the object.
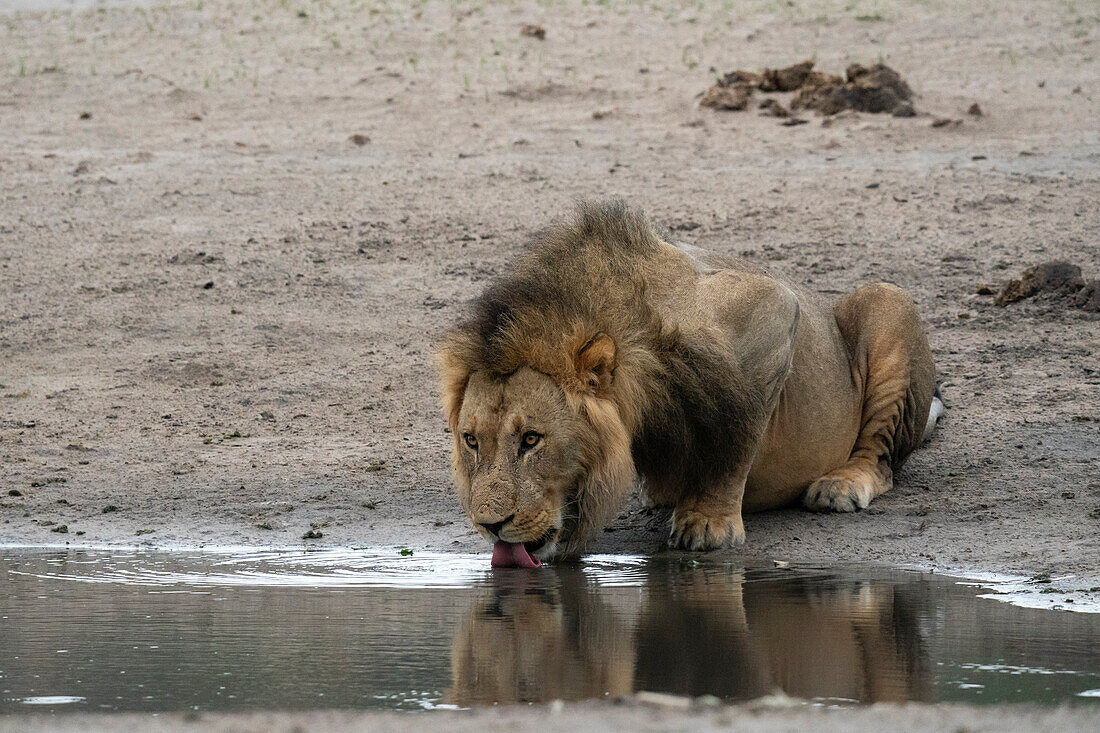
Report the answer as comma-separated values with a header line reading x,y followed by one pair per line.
x,y
512,555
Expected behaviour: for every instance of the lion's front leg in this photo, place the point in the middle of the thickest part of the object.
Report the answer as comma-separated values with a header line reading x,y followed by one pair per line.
x,y
709,521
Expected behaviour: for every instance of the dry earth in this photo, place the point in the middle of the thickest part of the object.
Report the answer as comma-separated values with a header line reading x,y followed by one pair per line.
x,y
589,717
218,305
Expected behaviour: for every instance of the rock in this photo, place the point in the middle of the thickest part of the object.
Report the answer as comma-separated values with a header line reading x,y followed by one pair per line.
x,y
786,80
974,110
876,88
733,97
1049,277
359,139
1088,297
741,77
773,108
533,30
313,534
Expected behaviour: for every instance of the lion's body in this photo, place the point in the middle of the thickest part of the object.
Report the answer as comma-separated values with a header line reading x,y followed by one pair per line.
x,y
720,386
714,634
836,346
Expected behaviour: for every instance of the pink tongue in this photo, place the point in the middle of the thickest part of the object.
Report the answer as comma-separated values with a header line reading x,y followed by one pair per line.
x,y
512,555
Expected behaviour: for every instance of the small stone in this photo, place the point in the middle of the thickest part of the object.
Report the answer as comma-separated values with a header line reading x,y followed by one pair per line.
x,y
974,110
109,509
359,139
15,492
313,534
533,30
61,529
773,108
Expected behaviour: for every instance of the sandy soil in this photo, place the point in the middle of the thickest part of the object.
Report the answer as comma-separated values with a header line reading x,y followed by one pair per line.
x,y
587,717
217,305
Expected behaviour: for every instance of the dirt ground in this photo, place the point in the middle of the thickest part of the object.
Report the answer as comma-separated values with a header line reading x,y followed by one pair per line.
x,y
230,233
590,717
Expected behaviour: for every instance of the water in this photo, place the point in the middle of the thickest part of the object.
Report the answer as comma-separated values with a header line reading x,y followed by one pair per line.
x,y
291,630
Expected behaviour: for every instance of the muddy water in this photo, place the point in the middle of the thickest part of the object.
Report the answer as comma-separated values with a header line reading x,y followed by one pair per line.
x,y
125,631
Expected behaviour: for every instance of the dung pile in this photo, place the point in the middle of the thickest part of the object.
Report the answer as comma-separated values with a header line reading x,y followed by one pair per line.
x,y
1057,278
876,88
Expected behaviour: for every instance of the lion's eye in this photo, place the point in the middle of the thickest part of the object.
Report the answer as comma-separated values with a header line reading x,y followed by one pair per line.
x,y
530,440
470,441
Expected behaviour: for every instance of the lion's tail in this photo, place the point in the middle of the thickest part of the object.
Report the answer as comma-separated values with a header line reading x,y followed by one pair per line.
x,y
934,413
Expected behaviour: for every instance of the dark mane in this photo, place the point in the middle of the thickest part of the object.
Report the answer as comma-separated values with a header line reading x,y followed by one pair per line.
x,y
695,428
691,425
554,278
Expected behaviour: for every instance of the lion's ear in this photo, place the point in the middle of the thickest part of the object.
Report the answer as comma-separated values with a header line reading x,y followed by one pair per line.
x,y
595,362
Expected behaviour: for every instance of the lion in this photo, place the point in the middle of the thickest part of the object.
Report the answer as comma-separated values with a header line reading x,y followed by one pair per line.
x,y
609,355
718,631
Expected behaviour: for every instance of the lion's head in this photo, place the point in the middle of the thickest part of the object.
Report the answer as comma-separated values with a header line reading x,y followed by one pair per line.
x,y
539,460
559,639
542,384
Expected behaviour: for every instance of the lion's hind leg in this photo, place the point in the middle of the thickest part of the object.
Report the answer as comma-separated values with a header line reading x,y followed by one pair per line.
x,y
893,363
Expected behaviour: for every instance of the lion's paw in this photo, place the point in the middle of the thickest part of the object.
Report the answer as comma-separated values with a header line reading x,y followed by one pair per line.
x,y
838,493
695,530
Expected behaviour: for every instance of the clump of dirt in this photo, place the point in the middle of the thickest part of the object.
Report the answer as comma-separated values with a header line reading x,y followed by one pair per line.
x,y
773,108
1057,278
1088,297
876,88
533,30
732,97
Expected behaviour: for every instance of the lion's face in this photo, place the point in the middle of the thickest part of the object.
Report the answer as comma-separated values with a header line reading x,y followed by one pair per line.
x,y
517,458
557,639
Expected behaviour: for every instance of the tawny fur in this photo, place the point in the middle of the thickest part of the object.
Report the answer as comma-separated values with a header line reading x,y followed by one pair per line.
x,y
718,386
579,640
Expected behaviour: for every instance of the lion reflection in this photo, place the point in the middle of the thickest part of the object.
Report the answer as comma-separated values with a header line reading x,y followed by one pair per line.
x,y
557,634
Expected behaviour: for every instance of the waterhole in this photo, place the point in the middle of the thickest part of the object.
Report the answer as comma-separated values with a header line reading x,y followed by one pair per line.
x,y
293,630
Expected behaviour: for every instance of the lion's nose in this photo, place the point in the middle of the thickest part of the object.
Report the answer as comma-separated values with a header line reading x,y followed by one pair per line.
x,y
495,527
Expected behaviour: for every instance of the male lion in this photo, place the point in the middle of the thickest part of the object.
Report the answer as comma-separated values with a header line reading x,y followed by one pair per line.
x,y
689,631
609,354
